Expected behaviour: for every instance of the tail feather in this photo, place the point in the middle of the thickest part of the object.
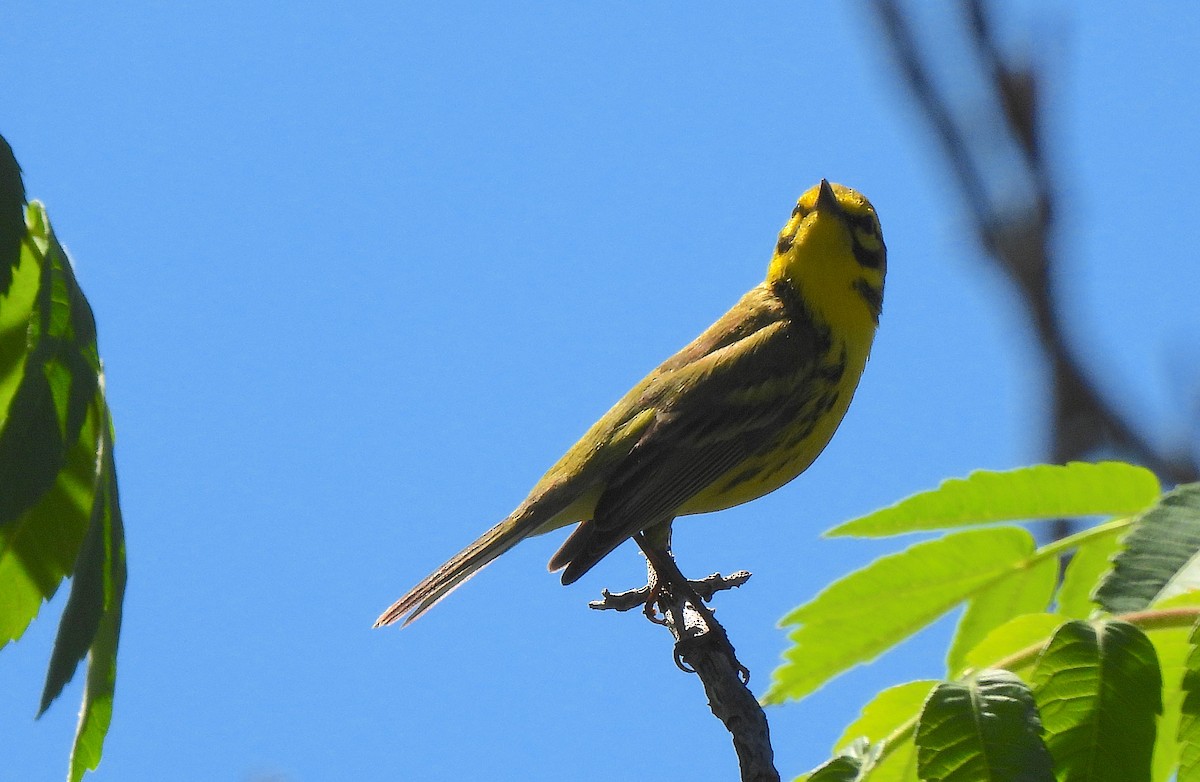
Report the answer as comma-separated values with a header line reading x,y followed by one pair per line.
x,y
581,551
458,569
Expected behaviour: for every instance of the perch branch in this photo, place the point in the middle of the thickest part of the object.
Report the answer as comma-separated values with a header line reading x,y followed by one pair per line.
x,y
702,647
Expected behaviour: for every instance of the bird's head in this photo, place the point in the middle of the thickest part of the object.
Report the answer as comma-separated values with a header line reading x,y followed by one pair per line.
x,y
832,252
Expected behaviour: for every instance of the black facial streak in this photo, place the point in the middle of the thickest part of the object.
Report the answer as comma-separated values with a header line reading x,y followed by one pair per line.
x,y
871,259
785,244
863,222
811,337
871,295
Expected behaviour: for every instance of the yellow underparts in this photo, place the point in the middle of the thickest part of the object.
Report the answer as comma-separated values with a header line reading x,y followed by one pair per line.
x,y
791,452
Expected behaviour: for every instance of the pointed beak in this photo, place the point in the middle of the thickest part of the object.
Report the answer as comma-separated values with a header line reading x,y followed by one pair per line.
x,y
826,200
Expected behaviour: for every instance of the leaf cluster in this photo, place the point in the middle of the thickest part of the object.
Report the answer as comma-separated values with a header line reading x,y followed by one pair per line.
x,y
59,510
1094,675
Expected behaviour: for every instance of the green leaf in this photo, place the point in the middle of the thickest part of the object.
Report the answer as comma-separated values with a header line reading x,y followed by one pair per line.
x,y
1026,591
1188,599
59,510
839,769
1189,723
86,602
1082,577
16,310
867,612
887,712
32,446
43,509
985,729
1099,691
1171,647
1043,491
851,765
1018,635
897,763
12,214
1159,559
96,715
41,548
48,462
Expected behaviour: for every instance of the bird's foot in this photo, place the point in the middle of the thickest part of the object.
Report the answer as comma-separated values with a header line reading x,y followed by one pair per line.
x,y
647,597
678,603
651,598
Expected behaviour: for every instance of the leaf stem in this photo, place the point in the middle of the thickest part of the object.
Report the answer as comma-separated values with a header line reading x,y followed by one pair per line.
x,y
1079,538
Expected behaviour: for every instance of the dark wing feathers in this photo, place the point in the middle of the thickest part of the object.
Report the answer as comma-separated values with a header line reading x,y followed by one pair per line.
x,y
645,493
739,396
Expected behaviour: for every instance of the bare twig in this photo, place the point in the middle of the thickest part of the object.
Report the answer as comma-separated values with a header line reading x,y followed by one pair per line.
x,y
705,588
735,706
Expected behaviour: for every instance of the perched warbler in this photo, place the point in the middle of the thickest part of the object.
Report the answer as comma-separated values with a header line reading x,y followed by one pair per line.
x,y
742,410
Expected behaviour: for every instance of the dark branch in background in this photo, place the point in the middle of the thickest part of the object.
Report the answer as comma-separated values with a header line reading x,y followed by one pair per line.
x,y
703,648
1019,237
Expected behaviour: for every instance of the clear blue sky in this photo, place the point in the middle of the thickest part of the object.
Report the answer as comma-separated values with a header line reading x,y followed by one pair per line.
x,y
362,271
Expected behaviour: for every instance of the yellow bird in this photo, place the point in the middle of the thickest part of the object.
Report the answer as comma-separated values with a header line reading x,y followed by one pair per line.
x,y
739,412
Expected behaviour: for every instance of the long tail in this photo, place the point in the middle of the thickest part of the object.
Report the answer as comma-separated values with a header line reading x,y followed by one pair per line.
x,y
461,567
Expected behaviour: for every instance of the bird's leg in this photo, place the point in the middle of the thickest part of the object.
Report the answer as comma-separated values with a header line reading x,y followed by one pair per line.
x,y
647,597
683,610
653,607
655,545
671,600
